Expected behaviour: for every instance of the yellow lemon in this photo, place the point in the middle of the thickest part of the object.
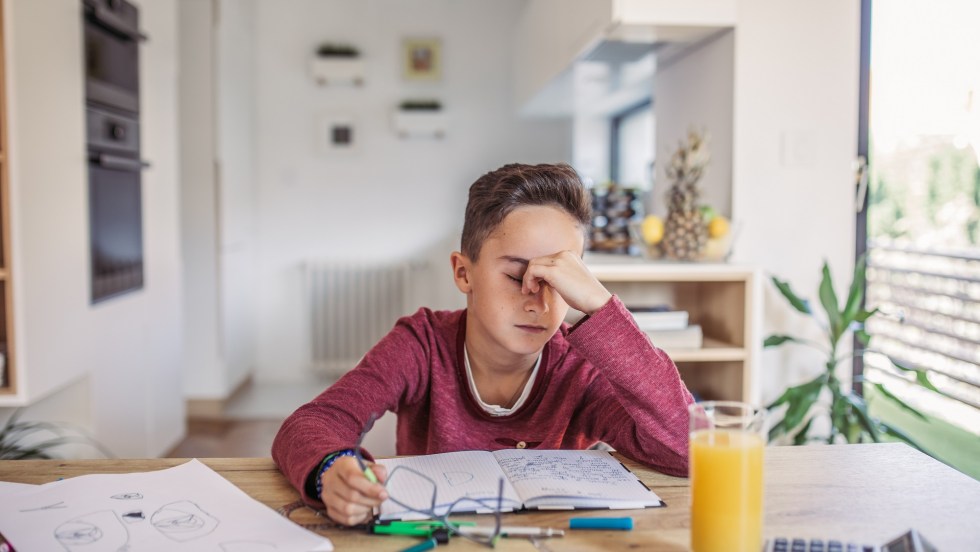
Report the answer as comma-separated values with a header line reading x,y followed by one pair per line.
x,y
652,229
718,226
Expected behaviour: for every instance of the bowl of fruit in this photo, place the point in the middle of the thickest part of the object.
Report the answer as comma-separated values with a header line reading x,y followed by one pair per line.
x,y
702,235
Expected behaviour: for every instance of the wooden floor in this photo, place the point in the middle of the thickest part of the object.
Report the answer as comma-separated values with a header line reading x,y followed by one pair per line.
x,y
249,423
227,439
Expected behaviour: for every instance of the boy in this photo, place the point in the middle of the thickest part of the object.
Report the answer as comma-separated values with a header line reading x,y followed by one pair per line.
x,y
505,372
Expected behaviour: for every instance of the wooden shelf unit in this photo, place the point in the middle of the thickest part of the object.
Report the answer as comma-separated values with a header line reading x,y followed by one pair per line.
x,y
722,298
8,374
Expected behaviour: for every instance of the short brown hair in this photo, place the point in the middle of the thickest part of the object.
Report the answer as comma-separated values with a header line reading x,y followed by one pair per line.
x,y
494,195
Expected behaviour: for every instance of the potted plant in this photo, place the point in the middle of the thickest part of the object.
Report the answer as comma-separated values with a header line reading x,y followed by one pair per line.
x,y
420,118
338,64
35,440
846,410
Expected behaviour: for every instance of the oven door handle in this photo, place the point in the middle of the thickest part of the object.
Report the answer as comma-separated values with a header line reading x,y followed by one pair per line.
x,y
110,20
120,163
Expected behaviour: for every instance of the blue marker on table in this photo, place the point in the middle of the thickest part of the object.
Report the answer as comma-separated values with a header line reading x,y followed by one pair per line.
x,y
422,547
619,523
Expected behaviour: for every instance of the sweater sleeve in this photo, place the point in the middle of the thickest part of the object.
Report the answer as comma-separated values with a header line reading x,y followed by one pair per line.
x,y
637,403
393,371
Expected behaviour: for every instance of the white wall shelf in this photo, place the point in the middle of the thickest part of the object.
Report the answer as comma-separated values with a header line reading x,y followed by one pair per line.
x,y
420,123
331,71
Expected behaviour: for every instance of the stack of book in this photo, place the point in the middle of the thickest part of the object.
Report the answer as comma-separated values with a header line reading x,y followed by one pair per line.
x,y
668,329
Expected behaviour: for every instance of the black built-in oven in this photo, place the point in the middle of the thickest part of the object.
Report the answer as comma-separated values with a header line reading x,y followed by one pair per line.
x,y
115,164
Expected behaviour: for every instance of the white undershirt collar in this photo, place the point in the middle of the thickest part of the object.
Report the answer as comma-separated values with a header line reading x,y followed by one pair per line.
x,y
494,409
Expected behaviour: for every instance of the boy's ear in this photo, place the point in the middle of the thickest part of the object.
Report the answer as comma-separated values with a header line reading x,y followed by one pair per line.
x,y
461,271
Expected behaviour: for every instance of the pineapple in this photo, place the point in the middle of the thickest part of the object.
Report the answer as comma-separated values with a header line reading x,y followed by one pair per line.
x,y
685,231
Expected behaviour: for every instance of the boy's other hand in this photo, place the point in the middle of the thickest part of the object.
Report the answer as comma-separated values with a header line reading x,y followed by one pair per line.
x,y
349,496
567,274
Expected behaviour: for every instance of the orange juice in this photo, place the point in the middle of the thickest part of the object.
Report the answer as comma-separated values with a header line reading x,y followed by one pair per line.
x,y
726,491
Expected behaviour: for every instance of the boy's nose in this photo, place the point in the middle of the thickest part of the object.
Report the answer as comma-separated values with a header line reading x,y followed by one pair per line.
x,y
539,302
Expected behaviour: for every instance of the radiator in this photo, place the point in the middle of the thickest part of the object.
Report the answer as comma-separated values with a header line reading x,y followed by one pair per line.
x,y
352,307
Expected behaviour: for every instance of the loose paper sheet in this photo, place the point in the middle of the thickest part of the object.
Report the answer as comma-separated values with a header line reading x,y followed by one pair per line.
x,y
185,508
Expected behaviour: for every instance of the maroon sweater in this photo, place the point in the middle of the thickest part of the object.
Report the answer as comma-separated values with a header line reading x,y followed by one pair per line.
x,y
601,380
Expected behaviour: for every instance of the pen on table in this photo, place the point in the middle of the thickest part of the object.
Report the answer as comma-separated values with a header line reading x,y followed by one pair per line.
x,y
512,531
421,547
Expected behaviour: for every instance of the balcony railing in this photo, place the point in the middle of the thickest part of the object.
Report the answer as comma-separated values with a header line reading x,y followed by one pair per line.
x,y
930,304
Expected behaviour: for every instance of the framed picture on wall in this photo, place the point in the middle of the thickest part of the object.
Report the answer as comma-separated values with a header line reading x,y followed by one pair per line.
x,y
422,59
336,133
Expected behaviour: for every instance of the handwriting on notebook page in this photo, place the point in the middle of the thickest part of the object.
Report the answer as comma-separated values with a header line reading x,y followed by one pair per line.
x,y
556,466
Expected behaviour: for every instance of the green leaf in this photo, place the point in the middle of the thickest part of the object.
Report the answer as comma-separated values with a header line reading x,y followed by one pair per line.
x,y
799,304
901,366
893,431
901,404
802,399
856,294
863,336
922,378
801,436
776,340
863,316
828,298
778,429
860,410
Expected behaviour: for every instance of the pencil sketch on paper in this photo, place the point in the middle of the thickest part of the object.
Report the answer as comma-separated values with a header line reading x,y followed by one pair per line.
x,y
134,516
183,521
95,532
247,546
55,506
456,478
127,496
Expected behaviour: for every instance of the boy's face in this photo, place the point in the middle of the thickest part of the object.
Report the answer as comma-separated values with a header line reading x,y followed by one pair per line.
x,y
500,318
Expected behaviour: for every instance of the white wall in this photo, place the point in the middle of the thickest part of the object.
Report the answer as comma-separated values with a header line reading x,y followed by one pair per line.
x,y
795,137
121,358
390,199
235,145
203,373
217,143
694,90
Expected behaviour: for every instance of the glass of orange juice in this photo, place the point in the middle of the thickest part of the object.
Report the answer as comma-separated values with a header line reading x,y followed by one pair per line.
x,y
727,443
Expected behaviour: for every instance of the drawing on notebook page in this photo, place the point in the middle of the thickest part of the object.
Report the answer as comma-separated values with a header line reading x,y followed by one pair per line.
x,y
456,478
95,532
134,516
54,506
127,496
183,521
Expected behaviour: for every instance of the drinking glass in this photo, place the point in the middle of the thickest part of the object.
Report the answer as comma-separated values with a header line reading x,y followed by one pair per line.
x,y
727,443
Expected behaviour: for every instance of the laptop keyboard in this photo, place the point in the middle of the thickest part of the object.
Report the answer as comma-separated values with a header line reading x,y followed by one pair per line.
x,y
815,545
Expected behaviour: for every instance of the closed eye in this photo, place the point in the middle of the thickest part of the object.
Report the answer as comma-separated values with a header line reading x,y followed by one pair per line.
x,y
515,279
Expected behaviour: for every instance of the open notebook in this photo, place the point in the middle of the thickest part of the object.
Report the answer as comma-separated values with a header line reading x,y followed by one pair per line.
x,y
533,479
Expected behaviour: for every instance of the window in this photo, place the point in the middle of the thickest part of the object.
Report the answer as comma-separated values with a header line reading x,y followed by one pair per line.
x,y
632,146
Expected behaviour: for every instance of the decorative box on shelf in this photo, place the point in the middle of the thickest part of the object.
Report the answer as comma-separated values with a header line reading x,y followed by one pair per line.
x,y
419,119
336,64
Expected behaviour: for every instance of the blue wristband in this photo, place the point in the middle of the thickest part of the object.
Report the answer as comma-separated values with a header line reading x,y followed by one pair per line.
x,y
327,462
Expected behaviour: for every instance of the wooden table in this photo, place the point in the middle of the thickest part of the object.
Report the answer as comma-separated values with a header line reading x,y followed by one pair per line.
x,y
859,493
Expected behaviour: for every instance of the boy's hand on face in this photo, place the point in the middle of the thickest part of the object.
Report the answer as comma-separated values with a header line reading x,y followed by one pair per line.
x,y
348,495
567,274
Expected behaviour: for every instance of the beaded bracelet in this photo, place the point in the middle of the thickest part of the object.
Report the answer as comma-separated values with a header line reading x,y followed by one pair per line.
x,y
327,462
